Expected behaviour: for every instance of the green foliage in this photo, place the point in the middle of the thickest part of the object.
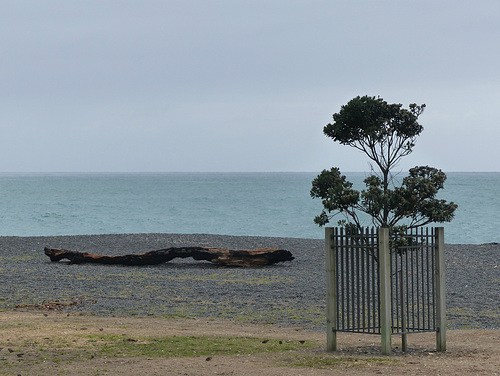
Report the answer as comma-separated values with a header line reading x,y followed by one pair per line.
x,y
337,194
416,197
385,133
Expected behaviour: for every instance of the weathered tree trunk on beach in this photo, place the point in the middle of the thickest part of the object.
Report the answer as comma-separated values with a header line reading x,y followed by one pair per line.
x,y
226,257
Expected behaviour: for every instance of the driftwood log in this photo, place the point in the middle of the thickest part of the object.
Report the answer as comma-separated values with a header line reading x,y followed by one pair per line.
x,y
227,257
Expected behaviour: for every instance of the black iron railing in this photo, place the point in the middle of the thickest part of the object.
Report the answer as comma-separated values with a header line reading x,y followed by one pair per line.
x,y
375,284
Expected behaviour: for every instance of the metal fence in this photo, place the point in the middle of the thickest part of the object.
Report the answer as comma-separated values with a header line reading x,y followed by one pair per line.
x,y
357,281
382,283
413,283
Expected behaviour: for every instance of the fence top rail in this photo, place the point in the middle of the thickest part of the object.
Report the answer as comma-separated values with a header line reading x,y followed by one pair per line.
x,y
425,232
374,228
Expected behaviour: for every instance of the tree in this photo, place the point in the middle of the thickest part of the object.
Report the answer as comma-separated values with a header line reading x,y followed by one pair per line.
x,y
385,133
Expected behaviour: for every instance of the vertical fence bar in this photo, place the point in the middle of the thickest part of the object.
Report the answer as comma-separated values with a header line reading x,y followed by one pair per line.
x,y
429,251
404,337
406,299
395,285
341,309
412,307
369,288
440,291
431,323
425,282
347,282
375,283
432,276
420,278
363,252
352,275
331,289
415,280
385,290
358,283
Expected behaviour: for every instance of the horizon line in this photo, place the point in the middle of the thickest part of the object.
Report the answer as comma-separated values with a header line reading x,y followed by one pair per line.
x,y
211,172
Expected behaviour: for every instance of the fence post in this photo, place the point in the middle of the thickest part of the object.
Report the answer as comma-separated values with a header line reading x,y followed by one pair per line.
x,y
439,274
331,289
384,258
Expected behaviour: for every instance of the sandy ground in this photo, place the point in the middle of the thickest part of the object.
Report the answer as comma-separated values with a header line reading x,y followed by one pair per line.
x,y
51,343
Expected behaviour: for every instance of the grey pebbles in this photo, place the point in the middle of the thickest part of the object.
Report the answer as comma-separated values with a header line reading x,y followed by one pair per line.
x,y
289,293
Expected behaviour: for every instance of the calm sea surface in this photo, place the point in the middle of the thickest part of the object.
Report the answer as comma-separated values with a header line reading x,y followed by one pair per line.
x,y
260,204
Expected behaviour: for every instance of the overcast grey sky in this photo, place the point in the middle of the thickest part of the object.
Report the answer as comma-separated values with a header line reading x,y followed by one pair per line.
x,y
102,86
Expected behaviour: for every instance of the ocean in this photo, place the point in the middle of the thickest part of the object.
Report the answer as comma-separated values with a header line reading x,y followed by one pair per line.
x,y
249,204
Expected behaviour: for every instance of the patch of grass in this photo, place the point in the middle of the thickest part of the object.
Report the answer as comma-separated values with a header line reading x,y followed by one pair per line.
x,y
20,258
244,311
188,346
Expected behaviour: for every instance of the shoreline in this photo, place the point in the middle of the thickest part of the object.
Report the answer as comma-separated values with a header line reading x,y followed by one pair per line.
x,y
290,293
203,235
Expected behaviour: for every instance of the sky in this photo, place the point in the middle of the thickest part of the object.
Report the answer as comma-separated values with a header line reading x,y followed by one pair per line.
x,y
240,86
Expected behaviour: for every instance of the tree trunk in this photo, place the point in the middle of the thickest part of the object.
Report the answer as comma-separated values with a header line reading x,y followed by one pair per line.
x,y
228,257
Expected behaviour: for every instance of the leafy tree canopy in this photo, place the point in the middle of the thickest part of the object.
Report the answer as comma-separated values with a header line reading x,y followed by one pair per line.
x,y
385,133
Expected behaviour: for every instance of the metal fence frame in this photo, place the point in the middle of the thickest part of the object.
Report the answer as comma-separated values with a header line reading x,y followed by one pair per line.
x,y
375,290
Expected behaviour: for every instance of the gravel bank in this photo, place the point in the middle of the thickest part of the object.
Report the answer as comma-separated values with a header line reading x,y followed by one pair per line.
x,y
291,293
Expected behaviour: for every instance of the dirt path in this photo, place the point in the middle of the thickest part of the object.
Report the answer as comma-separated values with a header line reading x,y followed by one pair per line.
x,y
35,343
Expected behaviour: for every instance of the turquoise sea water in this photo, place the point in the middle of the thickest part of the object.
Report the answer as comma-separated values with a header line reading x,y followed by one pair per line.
x,y
255,204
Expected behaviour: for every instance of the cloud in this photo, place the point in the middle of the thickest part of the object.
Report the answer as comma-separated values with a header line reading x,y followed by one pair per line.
x,y
240,86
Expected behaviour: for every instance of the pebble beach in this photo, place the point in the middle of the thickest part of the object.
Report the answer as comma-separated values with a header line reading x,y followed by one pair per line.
x,y
289,293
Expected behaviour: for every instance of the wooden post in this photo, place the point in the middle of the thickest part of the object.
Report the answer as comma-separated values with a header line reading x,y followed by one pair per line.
x,y
331,289
384,258
439,274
